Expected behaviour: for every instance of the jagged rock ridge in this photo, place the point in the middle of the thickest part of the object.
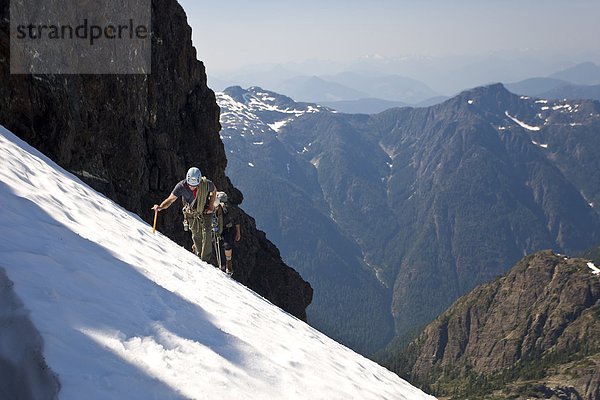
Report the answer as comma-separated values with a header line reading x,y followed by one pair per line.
x,y
533,331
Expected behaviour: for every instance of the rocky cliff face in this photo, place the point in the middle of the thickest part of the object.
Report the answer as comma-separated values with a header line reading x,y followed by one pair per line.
x,y
132,137
533,332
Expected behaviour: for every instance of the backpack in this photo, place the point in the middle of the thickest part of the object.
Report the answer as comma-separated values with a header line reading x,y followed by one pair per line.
x,y
223,214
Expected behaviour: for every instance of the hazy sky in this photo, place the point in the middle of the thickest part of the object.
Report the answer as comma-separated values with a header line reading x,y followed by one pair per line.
x,y
229,34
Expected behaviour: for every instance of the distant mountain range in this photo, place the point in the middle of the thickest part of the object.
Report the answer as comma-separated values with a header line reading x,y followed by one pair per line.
x,y
581,74
573,92
393,216
579,82
352,89
315,89
385,87
362,106
369,92
447,75
341,86
548,88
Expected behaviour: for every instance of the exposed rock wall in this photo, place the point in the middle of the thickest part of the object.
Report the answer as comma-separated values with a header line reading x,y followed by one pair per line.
x,y
537,323
132,137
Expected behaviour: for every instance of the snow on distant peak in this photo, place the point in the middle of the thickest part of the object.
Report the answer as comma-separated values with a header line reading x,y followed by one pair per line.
x,y
278,125
560,112
595,270
123,313
260,111
521,123
240,115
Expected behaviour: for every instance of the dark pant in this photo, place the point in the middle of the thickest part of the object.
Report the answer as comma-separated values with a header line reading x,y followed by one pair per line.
x,y
228,236
201,235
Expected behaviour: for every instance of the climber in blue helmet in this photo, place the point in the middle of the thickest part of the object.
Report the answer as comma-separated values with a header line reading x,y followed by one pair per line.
x,y
198,195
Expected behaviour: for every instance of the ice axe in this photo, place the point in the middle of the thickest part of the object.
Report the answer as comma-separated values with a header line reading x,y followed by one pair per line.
x,y
154,225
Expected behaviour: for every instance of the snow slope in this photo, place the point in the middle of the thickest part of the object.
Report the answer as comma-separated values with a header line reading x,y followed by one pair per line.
x,y
124,314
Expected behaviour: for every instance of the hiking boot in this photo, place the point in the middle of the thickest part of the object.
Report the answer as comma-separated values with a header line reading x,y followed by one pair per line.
x,y
229,267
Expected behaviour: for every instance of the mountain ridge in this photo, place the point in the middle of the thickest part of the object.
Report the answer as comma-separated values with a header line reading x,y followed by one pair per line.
x,y
258,158
438,199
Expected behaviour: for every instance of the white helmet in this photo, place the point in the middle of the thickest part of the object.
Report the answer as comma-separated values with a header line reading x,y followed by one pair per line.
x,y
193,176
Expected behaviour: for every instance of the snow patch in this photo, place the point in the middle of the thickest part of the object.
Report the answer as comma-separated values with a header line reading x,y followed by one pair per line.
x,y
595,270
315,162
305,149
522,124
276,126
561,106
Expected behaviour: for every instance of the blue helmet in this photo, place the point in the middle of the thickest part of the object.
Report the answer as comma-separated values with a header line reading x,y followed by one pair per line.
x,y
193,176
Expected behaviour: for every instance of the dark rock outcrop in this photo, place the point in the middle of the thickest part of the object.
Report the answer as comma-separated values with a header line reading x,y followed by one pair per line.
x,y
132,137
535,330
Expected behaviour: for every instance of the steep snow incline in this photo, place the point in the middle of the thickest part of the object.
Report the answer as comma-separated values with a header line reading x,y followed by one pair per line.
x,y
124,314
